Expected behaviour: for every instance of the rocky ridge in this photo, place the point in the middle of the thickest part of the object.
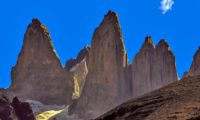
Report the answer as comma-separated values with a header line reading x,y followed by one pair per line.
x,y
99,78
153,67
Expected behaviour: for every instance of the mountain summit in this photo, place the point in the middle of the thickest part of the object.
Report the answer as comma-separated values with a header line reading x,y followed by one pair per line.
x,y
153,67
38,74
105,80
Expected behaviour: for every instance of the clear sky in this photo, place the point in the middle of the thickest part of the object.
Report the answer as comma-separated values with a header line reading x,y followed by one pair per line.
x,y
71,24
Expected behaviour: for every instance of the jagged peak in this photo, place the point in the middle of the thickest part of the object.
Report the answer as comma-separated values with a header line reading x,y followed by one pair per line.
x,y
197,54
36,21
110,23
111,19
148,42
87,47
111,16
36,25
34,28
83,54
163,44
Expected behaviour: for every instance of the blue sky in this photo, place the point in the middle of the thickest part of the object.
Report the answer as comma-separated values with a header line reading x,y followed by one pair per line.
x,y
71,24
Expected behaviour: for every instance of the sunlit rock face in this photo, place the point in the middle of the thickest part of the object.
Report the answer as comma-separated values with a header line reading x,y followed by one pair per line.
x,y
153,67
195,67
79,69
105,84
38,73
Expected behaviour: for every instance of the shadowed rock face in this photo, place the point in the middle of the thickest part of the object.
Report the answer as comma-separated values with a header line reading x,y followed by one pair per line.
x,y
38,74
6,110
105,84
153,67
16,110
22,109
79,69
177,101
195,67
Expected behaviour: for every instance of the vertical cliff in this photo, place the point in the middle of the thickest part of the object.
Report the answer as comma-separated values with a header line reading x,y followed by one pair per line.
x,y
153,67
105,82
38,73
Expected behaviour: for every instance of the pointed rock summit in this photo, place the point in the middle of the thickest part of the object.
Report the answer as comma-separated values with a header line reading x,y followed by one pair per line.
x,y
38,73
148,44
153,67
105,80
195,67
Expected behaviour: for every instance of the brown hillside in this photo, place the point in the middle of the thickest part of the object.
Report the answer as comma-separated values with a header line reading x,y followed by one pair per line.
x,y
177,101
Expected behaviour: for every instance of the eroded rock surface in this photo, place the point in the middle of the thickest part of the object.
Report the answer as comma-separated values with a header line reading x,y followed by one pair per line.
x,y
153,67
105,84
38,74
177,101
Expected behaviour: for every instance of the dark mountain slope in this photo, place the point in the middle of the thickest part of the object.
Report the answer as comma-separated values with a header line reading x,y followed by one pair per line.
x,y
177,101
